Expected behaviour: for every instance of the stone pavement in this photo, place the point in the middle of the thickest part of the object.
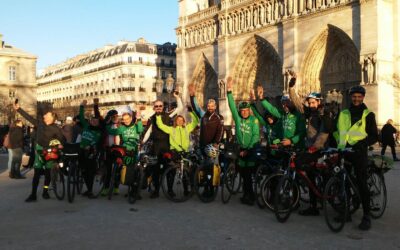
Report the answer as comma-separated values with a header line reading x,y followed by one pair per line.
x,y
161,224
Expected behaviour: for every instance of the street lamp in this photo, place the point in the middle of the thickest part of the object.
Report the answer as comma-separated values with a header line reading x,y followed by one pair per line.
x,y
11,96
159,85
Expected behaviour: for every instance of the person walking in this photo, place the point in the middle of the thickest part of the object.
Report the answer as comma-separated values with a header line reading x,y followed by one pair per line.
x,y
388,133
16,135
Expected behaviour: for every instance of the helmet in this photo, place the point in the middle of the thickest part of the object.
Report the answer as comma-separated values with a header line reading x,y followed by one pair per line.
x,y
211,151
314,95
244,105
357,89
54,142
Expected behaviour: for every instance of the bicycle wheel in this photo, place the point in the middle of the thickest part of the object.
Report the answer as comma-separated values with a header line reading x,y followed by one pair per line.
x,y
112,180
378,195
260,176
335,204
79,179
57,180
99,179
225,193
353,196
71,181
136,185
286,197
268,188
234,181
176,184
203,184
304,191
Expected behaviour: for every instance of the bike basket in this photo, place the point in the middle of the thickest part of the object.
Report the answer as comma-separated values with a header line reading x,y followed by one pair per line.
x,y
380,162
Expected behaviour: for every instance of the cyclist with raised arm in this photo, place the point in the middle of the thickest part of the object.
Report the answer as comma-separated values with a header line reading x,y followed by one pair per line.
x,y
129,132
290,127
90,144
247,134
357,129
320,124
160,139
46,132
211,129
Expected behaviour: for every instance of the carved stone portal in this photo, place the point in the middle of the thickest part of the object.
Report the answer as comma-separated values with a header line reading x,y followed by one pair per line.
x,y
206,81
258,63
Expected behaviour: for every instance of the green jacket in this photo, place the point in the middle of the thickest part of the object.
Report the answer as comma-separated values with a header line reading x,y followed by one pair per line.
x,y
179,137
269,130
289,126
247,131
89,136
130,134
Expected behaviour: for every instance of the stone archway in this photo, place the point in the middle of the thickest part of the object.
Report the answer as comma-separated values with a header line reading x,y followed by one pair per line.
x,y
331,62
206,81
258,63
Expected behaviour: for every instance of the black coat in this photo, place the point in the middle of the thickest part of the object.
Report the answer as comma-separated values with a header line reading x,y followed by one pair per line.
x,y
16,136
387,134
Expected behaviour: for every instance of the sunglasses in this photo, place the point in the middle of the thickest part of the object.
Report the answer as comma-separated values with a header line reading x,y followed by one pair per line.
x,y
158,106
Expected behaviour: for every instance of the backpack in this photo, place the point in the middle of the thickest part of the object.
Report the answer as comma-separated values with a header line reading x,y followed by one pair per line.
x,y
6,142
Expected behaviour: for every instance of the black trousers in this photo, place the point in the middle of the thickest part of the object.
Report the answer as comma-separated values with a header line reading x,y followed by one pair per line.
x,y
159,148
247,174
359,160
392,147
36,177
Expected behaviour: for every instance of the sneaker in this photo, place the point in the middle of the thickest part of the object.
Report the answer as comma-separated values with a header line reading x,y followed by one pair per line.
x,y
395,159
365,223
31,198
154,195
116,191
91,196
311,211
86,193
171,194
45,195
11,175
19,177
104,192
246,200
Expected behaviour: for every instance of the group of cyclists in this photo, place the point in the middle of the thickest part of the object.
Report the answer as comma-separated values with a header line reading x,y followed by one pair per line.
x,y
308,126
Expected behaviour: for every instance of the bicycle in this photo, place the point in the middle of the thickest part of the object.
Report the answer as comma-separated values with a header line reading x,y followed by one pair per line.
x,y
177,180
208,177
231,181
71,166
101,171
117,154
51,155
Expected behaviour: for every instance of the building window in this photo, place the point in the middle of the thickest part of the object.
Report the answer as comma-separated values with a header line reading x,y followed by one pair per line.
x,y
162,62
12,73
140,59
162,74
171,63
129,59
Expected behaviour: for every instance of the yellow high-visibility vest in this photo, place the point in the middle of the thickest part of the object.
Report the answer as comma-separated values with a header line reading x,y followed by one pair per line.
x,y
348,133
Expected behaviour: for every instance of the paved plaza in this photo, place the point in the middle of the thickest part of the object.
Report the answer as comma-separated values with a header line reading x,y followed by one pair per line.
x,y
161,224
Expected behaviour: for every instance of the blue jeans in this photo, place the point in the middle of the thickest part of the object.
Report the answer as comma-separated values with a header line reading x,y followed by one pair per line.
x,y
15,160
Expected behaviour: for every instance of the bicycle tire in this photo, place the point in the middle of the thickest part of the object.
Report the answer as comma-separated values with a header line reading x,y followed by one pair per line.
x,y
99,179
225,193
268,188
286,198
57,179
378,194
260,176
71,181
135,188
235,180
112,181
203,180
335,204
79,179
178,179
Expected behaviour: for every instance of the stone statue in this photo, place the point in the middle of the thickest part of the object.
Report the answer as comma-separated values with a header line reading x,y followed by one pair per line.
x,y
221,89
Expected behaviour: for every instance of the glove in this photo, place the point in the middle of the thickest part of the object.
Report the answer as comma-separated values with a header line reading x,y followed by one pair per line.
x,y
292,82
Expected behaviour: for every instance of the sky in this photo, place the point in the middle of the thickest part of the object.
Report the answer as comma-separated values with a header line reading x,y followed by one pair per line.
x,y
55,30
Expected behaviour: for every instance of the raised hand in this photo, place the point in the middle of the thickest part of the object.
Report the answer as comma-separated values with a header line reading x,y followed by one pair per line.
x,y
96,101
252,95
260,92
83,103
229,84
192,89
176,94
